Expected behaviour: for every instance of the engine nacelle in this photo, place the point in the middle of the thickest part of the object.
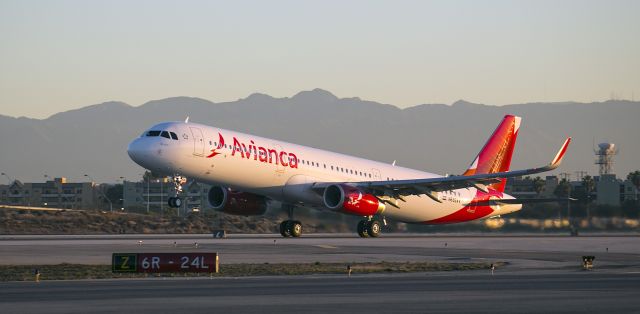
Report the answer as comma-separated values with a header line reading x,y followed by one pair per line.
x,y
236,203
351,200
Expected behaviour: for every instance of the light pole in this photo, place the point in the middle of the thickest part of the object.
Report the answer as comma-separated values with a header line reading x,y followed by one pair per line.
x,y
161,207
144,176
103,195
123,186
7,176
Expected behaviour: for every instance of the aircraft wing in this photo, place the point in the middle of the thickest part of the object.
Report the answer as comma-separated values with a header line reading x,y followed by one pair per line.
x,y
399,188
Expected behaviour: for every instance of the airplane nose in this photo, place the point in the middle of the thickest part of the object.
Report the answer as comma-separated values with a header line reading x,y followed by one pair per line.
x,y
150,154
138,151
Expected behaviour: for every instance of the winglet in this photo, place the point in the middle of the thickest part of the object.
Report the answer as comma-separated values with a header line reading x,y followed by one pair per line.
x,y
558,159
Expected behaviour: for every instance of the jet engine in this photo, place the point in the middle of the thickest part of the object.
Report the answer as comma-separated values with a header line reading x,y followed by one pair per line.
x,y
236,203
351,200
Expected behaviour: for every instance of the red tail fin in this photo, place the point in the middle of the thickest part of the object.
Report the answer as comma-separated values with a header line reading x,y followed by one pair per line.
x,y
496,154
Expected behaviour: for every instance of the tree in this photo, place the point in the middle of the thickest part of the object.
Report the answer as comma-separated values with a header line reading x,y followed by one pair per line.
x,y
634,177
149,176
538,185
563,188
588,184
114,194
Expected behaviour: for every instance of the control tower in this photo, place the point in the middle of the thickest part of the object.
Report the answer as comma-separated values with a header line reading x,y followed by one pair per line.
x,y
604,157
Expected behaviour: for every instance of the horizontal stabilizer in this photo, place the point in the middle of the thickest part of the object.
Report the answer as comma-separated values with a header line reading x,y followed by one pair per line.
x,y
522,201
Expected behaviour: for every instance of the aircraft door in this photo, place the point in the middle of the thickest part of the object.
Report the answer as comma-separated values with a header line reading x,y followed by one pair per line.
x,y
376,174
198,141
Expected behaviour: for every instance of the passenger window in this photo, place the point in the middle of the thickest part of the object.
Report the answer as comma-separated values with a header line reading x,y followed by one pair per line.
x,y
165,134
174,136
153,133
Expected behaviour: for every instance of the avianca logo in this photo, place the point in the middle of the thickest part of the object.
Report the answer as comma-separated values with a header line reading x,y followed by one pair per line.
x,y
220,145
259,153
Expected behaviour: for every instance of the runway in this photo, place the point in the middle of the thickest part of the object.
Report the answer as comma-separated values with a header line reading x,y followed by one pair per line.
x,y
521,252
474,292
543,274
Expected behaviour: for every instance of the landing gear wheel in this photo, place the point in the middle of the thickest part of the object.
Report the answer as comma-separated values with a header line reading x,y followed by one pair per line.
x,y
283,229
362,229
373,228
291,228
294,228
178,182
174,202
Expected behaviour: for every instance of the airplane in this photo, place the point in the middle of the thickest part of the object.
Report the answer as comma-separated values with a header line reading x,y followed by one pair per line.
x,y
247,172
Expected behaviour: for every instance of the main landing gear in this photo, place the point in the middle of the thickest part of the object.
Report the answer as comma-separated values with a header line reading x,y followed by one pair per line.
x,y
290,227
178,182
369,228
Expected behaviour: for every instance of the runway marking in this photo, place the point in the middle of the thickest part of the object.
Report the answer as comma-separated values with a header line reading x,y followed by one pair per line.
x,y
324,246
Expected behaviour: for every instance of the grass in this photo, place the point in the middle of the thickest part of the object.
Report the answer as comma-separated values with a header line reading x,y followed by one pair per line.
x,y
77,271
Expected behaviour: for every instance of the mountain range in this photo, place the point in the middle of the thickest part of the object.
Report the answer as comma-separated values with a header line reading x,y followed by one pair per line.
x,y
433,137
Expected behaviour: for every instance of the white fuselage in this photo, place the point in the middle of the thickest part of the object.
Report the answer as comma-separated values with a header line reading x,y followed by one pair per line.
x,y
285,172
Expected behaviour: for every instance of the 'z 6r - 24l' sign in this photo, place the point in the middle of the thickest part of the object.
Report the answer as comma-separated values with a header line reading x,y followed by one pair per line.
x,y
165,263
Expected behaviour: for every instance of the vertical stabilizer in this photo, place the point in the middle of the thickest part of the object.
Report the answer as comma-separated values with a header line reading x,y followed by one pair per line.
x,y
496,154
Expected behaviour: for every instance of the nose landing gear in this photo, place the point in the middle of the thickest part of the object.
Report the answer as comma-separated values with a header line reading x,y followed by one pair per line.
x,y
176,201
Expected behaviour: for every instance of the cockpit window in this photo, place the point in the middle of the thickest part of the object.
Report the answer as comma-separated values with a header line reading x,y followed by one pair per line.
x,y
153,133
165,134
174,136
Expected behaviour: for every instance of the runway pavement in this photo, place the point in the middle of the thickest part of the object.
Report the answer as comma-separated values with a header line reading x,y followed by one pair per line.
x,y
522,252
542,274
458,292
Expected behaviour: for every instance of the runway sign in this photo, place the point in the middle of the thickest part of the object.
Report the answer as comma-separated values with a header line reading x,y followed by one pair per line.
x,y
165,263
124,262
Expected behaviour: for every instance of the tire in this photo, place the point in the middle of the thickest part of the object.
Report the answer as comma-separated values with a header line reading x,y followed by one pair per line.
x,y
283,228
170,202
374,228
294,228
362,229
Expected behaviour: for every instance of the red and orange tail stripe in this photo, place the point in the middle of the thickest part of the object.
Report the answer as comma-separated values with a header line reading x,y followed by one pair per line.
x,y
496,154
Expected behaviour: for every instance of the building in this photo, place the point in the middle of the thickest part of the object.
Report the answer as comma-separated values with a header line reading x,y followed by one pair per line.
x,y
520,187
608,190
613,191
152,195
57,193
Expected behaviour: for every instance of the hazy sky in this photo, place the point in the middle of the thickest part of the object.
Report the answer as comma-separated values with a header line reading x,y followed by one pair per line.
x,y
61,55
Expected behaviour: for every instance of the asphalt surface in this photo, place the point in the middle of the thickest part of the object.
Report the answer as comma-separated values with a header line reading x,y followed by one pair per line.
x,y
543,274
470,292
522,252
